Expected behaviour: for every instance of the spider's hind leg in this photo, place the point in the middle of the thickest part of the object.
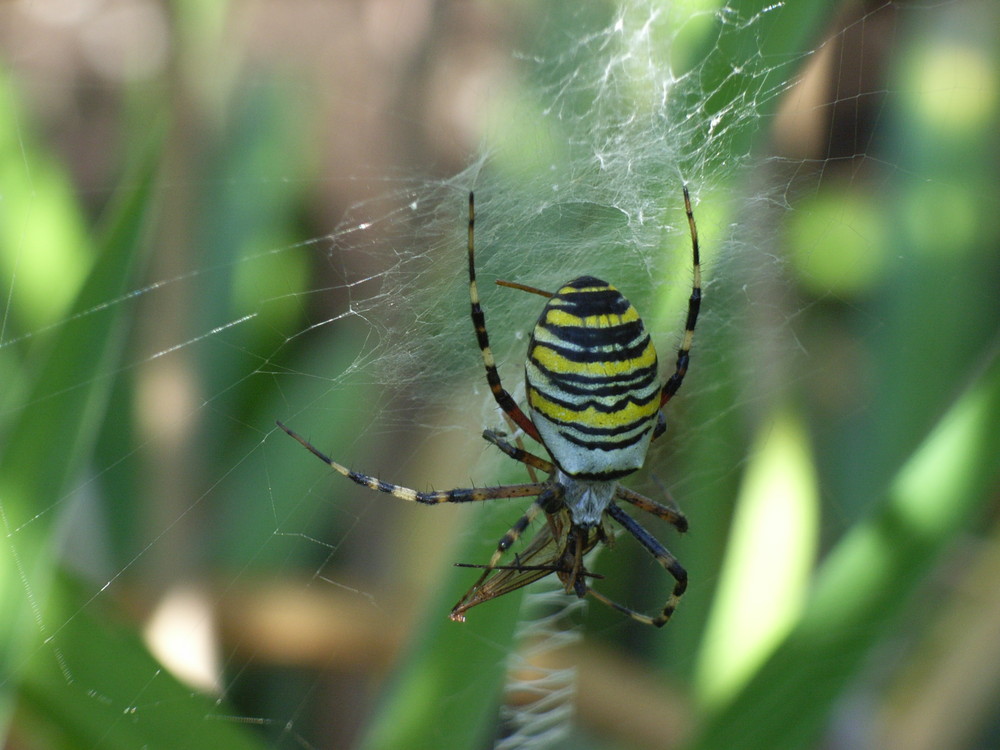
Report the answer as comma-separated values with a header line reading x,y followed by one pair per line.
x,y
665,512
663,557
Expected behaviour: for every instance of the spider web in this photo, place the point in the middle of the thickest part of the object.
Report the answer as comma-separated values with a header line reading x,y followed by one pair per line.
x,y
248,565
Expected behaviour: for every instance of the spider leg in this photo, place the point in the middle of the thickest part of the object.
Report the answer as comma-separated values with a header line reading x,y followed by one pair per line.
x,y
460,495
671,515
544,501
575,578
661,424
662,555
532,474
517,453
694,304
503,398
524,288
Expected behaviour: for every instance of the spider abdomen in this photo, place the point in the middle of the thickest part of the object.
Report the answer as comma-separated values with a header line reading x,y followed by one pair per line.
x,y
592,381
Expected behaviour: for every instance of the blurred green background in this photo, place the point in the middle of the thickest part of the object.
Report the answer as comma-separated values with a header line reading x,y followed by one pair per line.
x,y
207,211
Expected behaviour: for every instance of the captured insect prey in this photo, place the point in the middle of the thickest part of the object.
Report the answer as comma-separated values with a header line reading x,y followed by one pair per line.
x,y
594,399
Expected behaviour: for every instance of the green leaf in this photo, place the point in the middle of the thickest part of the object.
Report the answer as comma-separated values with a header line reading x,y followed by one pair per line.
x,y
94,684
868,578
51,437
447,691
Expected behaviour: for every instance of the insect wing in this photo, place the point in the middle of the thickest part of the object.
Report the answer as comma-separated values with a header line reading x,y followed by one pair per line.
x,y
499,581
544,555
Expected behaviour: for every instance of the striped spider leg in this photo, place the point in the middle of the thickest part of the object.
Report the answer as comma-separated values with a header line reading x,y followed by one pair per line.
x,y
461,495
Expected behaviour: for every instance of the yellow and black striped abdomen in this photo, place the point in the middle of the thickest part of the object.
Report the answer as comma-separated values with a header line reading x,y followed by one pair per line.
x,y
593,385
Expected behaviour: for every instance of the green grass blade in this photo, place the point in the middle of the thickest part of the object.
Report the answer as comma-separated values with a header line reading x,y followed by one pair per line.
x,y
868,578
94,684
745,59
447,691
48,442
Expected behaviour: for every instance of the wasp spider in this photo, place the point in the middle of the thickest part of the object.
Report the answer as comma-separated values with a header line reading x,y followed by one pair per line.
x,y
594,399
